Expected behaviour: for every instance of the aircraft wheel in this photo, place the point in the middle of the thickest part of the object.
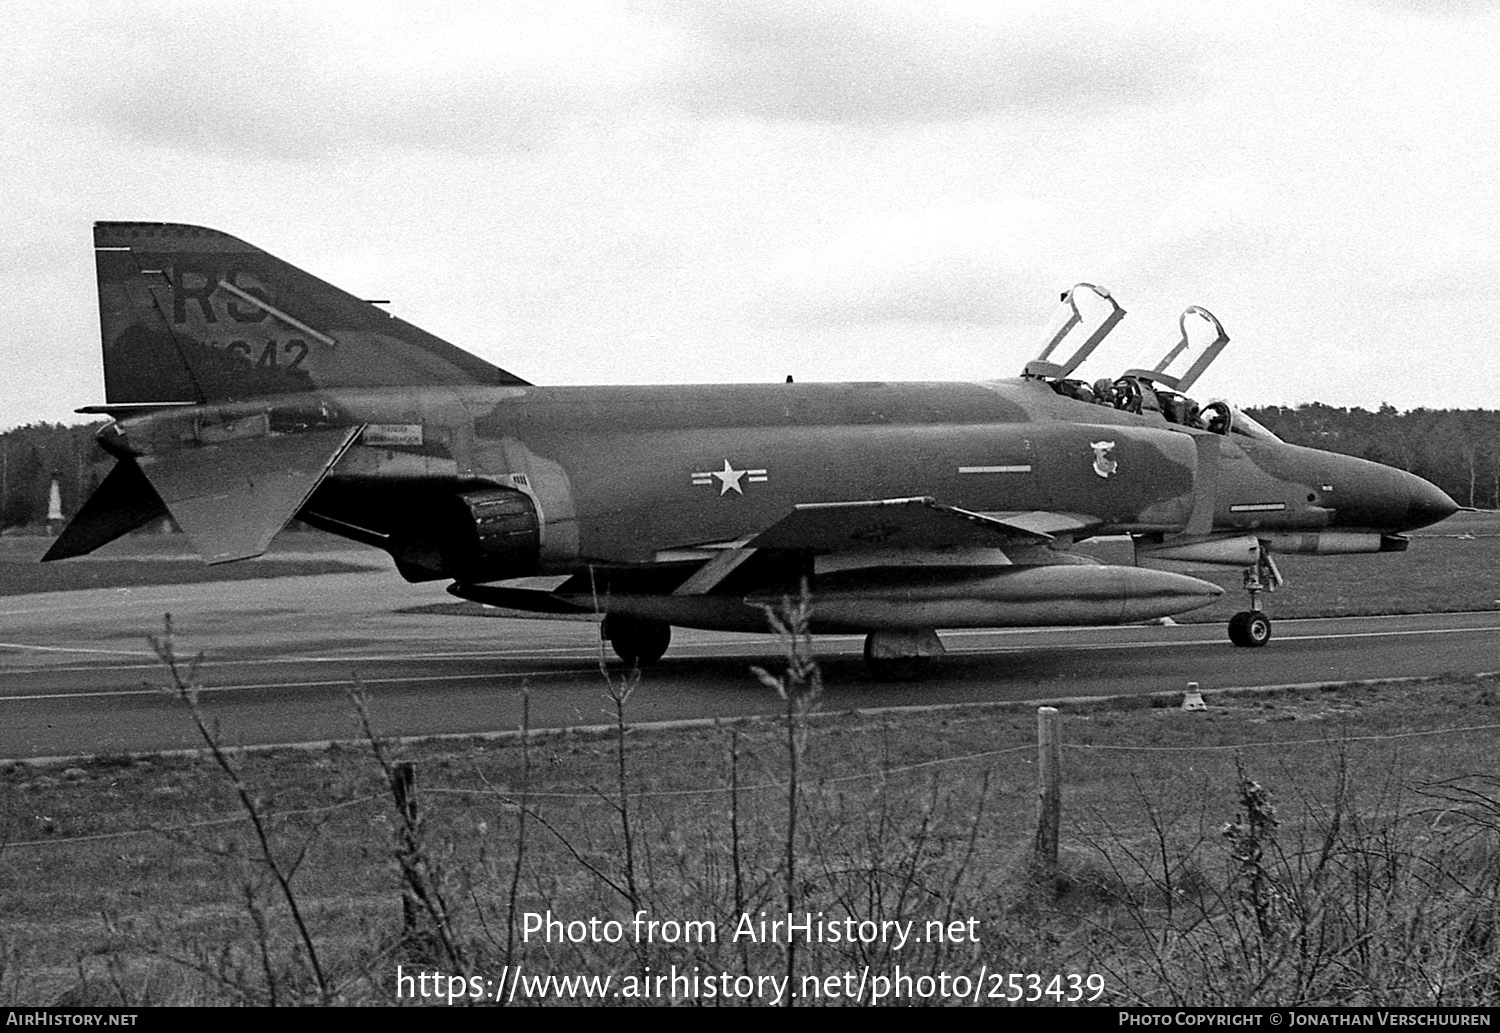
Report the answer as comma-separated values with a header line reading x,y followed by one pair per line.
x,y
1250,628
639,643
894,668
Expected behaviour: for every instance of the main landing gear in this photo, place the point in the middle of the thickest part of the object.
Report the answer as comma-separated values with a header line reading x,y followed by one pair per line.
x,y
640,643
1252,628
901,652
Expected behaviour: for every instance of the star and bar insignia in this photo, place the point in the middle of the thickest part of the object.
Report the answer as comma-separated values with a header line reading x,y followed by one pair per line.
x,y
729,478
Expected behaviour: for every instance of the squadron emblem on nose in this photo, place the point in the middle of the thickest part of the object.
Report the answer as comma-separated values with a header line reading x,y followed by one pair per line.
x,y
1103,464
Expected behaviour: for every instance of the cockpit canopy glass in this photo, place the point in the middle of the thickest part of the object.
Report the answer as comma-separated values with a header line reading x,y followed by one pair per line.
x,y
1242,423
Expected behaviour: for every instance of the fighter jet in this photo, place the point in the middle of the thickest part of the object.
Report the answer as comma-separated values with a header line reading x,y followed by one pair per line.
x,y
245,392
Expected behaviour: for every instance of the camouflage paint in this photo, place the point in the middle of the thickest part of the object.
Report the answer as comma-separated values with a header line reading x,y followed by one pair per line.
x,y
644,487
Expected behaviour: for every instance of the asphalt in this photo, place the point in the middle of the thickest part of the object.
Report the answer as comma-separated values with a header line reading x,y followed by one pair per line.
x,y
280,656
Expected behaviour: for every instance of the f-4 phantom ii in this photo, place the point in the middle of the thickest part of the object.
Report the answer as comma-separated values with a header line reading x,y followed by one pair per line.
x,y
245,392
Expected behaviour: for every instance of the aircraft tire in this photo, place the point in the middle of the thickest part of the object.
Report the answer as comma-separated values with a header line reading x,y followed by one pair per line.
x,y
1250,629
640,643
894,668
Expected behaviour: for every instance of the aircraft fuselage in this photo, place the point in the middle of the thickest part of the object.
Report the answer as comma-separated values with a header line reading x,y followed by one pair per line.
x,y
631,475
247,391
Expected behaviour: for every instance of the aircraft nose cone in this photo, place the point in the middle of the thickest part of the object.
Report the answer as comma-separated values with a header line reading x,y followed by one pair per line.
x,y
1428,505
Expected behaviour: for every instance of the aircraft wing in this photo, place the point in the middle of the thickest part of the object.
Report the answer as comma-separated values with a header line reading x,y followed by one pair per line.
x,y
910,523
916,523
1047,524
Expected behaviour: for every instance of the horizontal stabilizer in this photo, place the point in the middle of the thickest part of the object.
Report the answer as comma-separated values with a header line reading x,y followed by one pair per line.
x,y
118,506
233,498
124,410
914,523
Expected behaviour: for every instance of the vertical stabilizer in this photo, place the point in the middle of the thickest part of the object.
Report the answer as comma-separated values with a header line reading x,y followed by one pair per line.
x,y
194,315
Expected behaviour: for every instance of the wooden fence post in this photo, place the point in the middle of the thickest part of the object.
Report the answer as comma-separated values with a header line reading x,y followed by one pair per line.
x,y
1049,787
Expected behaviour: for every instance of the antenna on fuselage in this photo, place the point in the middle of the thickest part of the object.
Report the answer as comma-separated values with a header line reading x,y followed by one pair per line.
x,y
1159,375
1068,318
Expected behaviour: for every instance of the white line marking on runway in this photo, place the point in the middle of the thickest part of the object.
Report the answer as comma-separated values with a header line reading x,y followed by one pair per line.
x,y
163,691
1216,641
94,606
530,653
747,649
73,649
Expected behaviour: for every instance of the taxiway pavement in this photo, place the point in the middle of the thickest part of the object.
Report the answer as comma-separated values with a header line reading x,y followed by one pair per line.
x,y
77,675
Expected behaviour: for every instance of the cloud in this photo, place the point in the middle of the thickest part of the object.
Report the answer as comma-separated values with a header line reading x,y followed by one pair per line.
x,y
309,82
971,266
1436,8
848,61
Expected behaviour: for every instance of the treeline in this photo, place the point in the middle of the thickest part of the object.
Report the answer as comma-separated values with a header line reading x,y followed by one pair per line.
x,y
1456,449
32,456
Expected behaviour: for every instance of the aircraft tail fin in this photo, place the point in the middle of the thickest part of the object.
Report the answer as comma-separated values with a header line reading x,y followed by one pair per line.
x,y
190,314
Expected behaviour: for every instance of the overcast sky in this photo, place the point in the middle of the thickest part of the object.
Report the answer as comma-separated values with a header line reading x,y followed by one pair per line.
x,y
717,191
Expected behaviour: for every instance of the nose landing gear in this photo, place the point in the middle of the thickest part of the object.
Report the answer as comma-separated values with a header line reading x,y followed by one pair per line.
x,y
1252,628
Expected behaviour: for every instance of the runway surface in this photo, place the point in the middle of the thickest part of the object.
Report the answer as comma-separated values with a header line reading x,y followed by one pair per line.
x,y
280,656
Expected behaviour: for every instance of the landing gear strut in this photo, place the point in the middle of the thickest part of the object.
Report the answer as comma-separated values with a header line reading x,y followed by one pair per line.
x,y
1252,628
638,642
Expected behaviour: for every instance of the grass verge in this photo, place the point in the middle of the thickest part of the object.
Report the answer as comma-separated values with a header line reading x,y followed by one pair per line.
x,y
140,560
1308,847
